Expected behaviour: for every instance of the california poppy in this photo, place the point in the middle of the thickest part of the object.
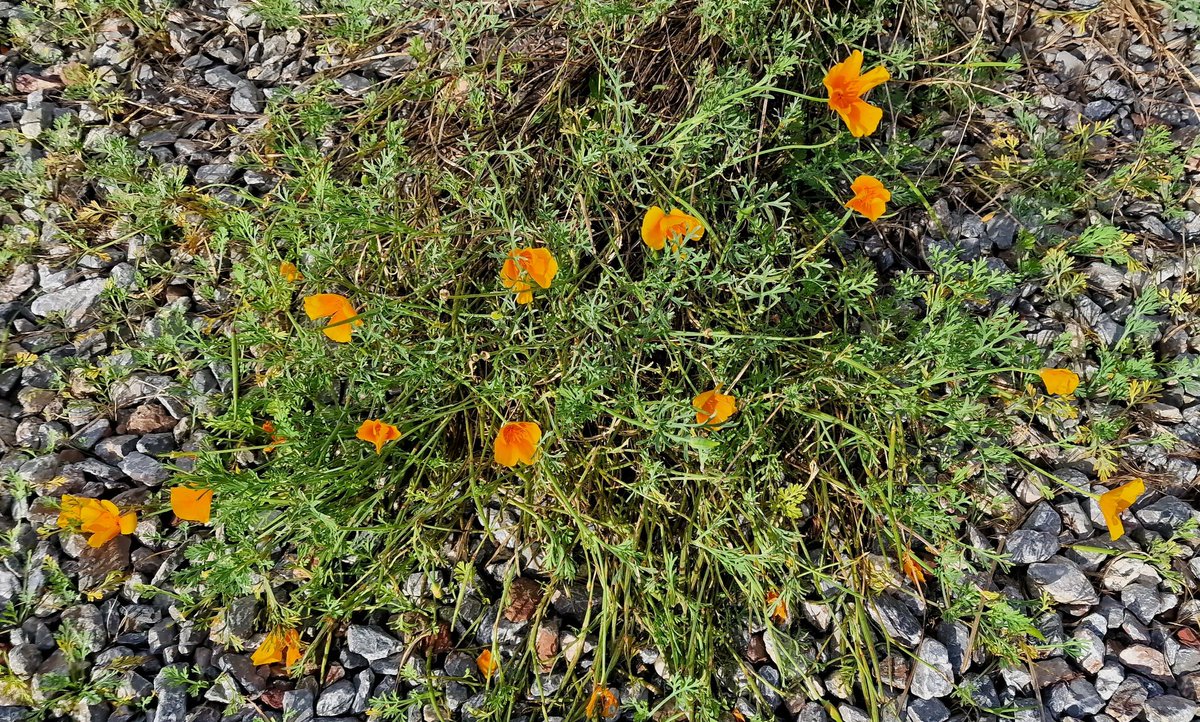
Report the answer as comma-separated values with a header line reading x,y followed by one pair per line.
x,y
1117,500
99,517
777,607
280,645
339,311
535,264
602,703
912,568
192,504
847,84
870,197
517,441
678,227
289,272
713,407
487,663
1062,382
276,439
378,433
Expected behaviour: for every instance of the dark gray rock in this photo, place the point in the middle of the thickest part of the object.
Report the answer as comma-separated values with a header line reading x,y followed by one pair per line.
x,y
144,469
72,303
114,449
1026,546
371,642
1165,515
336,699
895,620
1062,581
1170,708
932,675
1076,698
172,698
927,710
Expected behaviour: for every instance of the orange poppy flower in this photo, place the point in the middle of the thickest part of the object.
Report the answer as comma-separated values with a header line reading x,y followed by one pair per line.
x,y
517,441
847,84
677,227
280,645
378,433
290,273
1062,382
870,197
1117,500
487,663
713,407
536,264
602,703
778,607
276,439
912,568
192,504
99,517
339,311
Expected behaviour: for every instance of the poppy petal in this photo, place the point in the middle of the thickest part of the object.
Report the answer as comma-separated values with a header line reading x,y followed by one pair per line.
x,y
652,234
192,504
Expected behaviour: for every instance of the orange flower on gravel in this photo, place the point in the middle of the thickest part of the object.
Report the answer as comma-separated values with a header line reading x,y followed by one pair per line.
x,y
487,663
847,84
98,517
602,703
192,504
378,433
713,407
280,645
528,264
517,442
870,197
290,273
338,310
1062,382
912,568
777,607
1115,501
677,227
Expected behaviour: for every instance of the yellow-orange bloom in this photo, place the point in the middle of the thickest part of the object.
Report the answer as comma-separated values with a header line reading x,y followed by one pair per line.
x,y
487,663
847,84
280,645
713,407
912,568
1059,381
378,433
777,607
289,272
602,703
276,439
517,442
1117,500
870,197
99,517
528,264
339,311
677,227
192,504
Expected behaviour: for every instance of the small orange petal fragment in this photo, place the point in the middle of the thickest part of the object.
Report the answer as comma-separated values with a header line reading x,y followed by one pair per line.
x,y
847,84
377,433
713,407
870,197
1062,382
280,645
912,568
487,663
517,442
602,703
192,504
289,272
777,607
1115,501
677,227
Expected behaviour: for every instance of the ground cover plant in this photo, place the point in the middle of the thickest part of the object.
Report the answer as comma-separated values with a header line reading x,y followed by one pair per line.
x,y
578,296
